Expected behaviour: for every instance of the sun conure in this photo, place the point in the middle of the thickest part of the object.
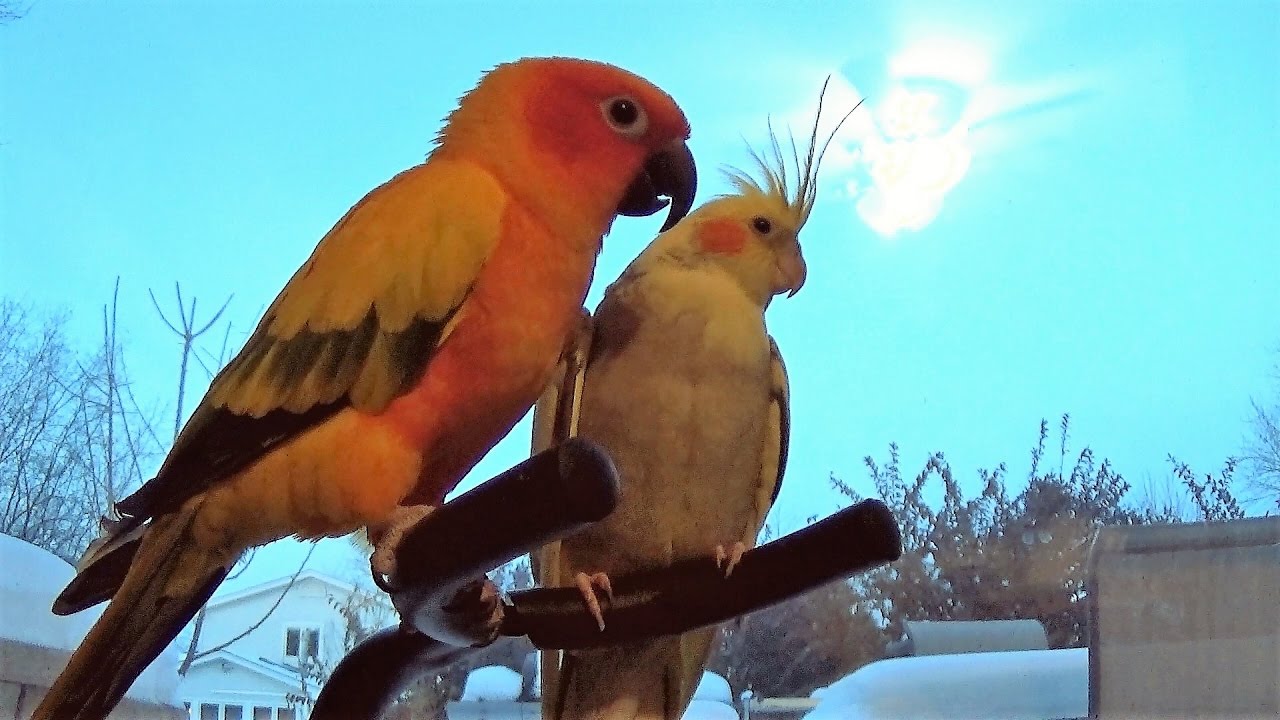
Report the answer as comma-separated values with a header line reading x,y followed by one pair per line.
x,y
420,330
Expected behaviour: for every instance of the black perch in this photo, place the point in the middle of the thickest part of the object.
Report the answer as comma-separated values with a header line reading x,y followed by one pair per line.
x,y
552,495
549,496
694,593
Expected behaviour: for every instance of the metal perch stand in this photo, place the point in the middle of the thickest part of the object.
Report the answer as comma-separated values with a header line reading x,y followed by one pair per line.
x,y
549,496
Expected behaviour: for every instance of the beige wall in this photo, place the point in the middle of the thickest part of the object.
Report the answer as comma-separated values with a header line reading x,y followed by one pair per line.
x,y
1186,621
19,701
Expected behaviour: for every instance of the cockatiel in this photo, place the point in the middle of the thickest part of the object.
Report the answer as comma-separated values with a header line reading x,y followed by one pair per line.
x,y
421,329
678,379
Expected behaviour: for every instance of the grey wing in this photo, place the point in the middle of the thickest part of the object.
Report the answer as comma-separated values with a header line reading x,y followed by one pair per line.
x,y
777,440
555,416
555,419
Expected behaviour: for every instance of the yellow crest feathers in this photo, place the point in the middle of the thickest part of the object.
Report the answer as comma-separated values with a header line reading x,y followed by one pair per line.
x,y
774,169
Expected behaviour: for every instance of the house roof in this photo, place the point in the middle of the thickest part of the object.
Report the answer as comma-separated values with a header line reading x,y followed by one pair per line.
x,y
33,577
285,674
278,584
946,637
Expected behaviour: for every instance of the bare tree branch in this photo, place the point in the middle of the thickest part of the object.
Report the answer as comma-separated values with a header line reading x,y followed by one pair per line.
x,y
11,11
1262,454
190,658
186,330
68,443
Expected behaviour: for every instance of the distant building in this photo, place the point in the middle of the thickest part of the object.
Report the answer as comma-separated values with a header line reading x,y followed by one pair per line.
x,y
1185,620
35,644
944,637
263,676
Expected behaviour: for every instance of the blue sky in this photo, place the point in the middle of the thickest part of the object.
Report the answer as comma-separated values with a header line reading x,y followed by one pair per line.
x,y
1041,208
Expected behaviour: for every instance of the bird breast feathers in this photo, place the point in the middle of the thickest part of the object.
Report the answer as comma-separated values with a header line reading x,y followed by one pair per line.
x,y
732,325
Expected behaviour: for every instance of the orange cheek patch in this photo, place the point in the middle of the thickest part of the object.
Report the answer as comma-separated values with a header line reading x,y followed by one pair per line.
x,y
723,236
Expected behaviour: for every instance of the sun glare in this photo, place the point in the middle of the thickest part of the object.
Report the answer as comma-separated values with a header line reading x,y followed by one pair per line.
x,y
912,163
945,58
919,149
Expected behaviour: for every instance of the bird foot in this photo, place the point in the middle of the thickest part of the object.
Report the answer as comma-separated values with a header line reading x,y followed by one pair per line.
x,y
473,616
587,585
386,539
729,559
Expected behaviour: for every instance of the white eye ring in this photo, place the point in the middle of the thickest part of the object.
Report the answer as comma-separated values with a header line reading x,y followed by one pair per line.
x,y
625,116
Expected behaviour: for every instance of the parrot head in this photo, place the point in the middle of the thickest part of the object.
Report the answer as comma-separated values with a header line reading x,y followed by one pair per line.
x,y
580,141
753,235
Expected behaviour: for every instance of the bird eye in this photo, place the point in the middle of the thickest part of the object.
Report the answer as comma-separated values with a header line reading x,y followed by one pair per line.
x,y
762,225
625,116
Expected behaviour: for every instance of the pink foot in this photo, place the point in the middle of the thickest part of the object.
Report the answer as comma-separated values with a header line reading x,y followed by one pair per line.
x,y
473,616
730,559
587,585
386,538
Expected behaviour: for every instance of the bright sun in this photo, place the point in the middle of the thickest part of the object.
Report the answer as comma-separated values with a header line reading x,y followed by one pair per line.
x,y
919,148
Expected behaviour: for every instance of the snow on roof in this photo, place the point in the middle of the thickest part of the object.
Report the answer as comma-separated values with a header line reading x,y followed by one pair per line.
x,y
1013,685
285,674
492,682
713,687
33,577
277,584
709,710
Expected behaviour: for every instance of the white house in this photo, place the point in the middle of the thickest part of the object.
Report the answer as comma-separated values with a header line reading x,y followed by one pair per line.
x,y
251,668
35,644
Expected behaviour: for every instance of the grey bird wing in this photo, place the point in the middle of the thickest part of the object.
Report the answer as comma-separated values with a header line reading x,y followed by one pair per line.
x,y
777,440
555,419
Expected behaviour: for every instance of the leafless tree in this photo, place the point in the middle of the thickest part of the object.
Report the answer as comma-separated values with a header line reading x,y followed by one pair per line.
x,y
117,436
1262,450
11,10
72,437
188,334
40,398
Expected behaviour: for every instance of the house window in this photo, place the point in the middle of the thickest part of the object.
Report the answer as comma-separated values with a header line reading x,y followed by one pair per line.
x,y
217,711
301,642
287,714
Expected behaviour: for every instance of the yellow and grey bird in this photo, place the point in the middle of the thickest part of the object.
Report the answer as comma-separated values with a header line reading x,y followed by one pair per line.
x,y
677,377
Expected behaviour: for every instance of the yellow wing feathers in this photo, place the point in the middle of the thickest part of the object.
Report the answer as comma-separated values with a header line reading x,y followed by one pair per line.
x,y
349,322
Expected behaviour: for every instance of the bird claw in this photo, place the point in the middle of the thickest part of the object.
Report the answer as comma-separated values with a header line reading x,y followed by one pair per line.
x,y
382,563
728,560
587,585
473,616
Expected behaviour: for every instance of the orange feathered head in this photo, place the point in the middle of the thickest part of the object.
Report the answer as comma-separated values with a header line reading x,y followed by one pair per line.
x,y
578,137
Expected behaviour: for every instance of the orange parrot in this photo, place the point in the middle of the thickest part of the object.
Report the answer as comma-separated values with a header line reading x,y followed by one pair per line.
x,y
421,329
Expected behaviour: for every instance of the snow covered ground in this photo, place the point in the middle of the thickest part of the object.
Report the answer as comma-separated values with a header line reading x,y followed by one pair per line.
x,y
35,643
1017,685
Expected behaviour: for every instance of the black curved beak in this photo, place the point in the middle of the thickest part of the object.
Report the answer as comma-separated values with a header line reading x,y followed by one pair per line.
x,y
670,172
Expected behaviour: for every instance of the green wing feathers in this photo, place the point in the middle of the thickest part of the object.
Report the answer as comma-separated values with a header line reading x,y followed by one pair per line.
x,y
359,318
356,326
